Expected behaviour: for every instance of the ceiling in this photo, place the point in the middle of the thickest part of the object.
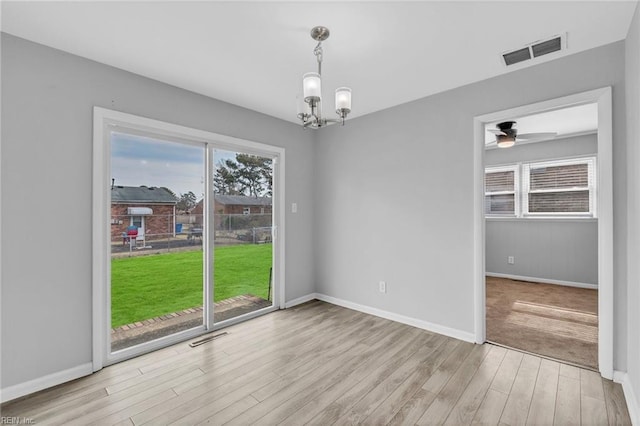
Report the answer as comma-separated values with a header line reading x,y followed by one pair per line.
x,y
565,122
253,54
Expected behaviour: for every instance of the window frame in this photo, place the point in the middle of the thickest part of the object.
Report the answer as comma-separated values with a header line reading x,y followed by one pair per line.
x,y
522,188
526,168
516,189
104,122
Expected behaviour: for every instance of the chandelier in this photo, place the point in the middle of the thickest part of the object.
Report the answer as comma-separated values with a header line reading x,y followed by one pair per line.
x,y
310,107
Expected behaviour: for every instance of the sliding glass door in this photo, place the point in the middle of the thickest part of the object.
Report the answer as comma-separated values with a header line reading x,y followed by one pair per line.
x,y
243,234
157,273
189,236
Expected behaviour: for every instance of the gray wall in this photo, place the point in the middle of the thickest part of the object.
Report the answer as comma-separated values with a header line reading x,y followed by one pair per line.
x,y
632,72
47,112
560,249
385,211
564,250
381,209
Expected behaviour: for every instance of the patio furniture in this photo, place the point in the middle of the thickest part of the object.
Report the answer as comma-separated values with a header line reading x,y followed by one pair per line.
x,y
193,234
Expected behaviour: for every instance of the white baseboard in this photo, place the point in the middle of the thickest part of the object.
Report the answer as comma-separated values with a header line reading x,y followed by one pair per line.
x,y
629,395
436,328
300,300
54,379
542,280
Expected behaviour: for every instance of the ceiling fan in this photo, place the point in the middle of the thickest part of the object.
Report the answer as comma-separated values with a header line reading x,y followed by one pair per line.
x,y
507,135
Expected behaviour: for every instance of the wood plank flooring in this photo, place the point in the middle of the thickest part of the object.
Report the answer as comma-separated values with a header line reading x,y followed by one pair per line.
x,y
322,364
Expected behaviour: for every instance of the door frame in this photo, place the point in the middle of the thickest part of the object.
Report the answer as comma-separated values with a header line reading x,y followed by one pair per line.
x,y
140,235
604,175
104,121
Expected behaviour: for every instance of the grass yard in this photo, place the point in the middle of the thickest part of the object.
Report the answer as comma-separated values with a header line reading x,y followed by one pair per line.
x,y
149,286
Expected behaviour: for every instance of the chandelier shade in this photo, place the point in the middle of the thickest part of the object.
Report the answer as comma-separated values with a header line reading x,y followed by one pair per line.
x,y
343,99
312,87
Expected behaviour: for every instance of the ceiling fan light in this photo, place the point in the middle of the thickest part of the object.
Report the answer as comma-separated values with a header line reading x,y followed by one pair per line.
x,y
311,87
506,141
506,144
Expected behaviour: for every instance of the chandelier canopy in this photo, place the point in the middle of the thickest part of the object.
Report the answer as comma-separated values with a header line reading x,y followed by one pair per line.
x,y
310,105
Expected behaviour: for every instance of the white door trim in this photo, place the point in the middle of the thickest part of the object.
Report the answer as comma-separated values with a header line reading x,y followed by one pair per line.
x,y
604,174
103,121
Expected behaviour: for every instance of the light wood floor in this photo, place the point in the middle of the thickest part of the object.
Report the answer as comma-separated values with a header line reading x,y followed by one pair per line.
x,y
322,364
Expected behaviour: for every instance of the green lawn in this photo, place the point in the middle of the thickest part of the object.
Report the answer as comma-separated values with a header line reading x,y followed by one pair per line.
x,y
148,286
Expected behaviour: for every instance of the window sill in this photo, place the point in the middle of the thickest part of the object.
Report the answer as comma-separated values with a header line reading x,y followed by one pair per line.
x,y
542,219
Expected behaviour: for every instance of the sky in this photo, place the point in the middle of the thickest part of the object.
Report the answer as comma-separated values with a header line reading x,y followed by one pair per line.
x,y
137,160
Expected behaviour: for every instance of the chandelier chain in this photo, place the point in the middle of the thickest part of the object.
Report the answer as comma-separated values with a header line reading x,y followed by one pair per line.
x,y
318,52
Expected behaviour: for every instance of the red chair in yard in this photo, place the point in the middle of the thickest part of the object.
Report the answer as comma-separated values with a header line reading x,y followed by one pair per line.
x,y
130,235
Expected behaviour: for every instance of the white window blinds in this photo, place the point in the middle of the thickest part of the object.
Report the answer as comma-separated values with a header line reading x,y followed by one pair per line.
x,y
500,191
565,187
550,188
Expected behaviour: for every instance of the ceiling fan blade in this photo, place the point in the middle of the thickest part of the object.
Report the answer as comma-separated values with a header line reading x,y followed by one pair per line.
x,y
542,135
496,132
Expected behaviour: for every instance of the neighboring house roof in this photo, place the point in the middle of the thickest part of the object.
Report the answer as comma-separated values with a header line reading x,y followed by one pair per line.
x,y
142,194
242,200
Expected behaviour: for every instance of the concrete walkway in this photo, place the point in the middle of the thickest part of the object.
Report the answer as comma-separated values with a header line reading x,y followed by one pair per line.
x,y
165,325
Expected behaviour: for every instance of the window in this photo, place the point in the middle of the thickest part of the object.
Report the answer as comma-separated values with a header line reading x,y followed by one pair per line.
x,y
500,191
136,221
560,187
549,188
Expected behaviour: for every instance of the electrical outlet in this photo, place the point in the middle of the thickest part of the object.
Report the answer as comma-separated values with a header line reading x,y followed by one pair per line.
x,y
294,207
382,286
511,260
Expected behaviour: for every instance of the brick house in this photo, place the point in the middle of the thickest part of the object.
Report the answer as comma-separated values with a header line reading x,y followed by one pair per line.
x,y
152,210
236,204
241,204
233,205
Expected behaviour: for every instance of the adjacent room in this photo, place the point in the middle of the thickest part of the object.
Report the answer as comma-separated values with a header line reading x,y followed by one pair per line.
x,y
541,234
237,212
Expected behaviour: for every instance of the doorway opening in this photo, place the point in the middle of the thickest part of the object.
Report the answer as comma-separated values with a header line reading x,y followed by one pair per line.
x,y
544,280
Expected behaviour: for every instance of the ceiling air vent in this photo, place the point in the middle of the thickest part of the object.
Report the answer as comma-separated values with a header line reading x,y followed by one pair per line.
x,y
535,50
511,58
547,47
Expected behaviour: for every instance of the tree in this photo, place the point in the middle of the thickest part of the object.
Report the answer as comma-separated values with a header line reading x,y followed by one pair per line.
x,y
187,201
224,181
267,175
248,175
